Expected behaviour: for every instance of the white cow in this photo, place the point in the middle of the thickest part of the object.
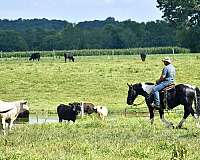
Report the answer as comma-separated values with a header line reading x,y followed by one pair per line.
x,y
102,111
9,112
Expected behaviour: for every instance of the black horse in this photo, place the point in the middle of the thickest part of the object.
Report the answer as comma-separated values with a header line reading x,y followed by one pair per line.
x,y
182,94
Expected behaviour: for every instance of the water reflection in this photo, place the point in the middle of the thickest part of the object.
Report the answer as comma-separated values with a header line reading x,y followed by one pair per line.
x,y
38,119
34,119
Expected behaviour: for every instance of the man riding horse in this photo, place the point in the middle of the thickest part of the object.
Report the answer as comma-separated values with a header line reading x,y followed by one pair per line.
x,y
167,77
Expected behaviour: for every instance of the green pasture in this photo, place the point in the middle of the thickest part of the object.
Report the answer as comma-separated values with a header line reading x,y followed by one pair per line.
x,y
101,80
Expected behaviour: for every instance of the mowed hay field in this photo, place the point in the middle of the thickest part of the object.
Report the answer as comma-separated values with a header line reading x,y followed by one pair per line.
x,y
101,80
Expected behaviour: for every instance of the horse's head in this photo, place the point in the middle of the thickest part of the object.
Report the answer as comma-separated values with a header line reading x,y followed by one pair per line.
x,y
132,94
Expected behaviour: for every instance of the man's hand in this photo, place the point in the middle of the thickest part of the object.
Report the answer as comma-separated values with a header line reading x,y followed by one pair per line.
x,y
157,81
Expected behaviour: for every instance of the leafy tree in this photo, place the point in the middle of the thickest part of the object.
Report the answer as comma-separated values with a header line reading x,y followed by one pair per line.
x,y
12,41
43,34
113,39
180,12
190,38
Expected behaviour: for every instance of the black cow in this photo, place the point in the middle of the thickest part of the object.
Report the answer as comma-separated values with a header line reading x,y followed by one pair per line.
x,y
35,56
143,56
23,116
68,56
68,112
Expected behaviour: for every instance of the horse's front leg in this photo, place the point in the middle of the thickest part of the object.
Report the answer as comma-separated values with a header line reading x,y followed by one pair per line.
x,y
166,123
151,112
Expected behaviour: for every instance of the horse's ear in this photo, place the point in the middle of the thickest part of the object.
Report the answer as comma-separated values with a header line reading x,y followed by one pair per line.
x,y
129,85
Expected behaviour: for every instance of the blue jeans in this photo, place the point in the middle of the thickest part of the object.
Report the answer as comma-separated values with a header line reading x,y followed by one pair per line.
x,y
156,90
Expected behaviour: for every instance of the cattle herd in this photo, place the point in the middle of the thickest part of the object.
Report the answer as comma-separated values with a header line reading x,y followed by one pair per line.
x,y
67,55
70,111
11,111
70,56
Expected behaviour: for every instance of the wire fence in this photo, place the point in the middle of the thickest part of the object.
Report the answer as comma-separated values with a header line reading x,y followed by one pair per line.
x,y
142,111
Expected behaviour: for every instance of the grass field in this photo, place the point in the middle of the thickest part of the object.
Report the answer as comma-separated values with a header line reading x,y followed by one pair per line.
x,y
101,80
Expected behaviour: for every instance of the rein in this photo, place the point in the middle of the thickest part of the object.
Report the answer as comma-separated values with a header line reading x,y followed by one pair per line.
x,y
143,100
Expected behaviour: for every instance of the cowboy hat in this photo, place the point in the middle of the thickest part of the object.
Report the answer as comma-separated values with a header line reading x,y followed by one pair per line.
x,y
167,59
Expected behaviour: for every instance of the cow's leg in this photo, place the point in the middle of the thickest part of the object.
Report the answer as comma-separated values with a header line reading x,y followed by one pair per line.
x,y
11,124
166,123
3,120
60,119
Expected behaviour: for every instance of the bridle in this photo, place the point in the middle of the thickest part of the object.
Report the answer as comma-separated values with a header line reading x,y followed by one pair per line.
x,y
147,97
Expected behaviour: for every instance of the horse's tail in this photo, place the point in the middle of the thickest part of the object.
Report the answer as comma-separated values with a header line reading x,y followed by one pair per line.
x,y
197,101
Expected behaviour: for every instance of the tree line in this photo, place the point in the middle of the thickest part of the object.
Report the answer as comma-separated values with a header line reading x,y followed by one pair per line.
x,y
179,28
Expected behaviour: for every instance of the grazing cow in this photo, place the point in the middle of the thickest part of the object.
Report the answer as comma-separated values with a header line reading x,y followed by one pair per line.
x,y
68,112
143,56
9,112
35,56
68,56
102,111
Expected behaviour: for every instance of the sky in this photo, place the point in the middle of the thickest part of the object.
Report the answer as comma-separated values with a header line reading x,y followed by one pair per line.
x,y
75,11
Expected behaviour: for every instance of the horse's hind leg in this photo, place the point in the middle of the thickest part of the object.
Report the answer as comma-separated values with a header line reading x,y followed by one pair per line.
x,y
197,120
196,117
187,111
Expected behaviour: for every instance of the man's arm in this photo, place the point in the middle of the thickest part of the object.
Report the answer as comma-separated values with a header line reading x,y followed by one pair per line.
x,y
163,76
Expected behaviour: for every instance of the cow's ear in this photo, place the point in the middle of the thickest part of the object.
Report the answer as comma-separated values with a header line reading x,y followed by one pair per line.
x,y
24,102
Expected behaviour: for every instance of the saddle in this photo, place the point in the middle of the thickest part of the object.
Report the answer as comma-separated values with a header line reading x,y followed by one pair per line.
x,y
167,88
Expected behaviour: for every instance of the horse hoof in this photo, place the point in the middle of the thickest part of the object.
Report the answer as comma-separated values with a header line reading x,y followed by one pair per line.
x,y
178,127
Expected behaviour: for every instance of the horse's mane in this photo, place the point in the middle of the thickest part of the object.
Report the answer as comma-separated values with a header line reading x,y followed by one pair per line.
x,y
149,83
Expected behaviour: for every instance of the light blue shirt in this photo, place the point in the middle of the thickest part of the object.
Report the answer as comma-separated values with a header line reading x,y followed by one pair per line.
x,y
169,72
